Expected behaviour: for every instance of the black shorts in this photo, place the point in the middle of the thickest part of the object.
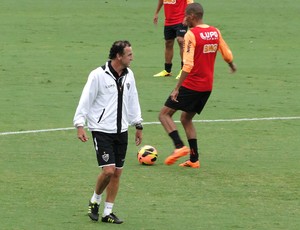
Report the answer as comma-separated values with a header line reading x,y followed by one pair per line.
x,y
110,148
171,32
189,100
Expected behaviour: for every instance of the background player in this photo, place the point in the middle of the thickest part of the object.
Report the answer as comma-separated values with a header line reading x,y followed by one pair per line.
x,y
173,28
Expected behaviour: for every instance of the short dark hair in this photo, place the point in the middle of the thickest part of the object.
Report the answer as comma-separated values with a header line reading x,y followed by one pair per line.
x,y
118,48
196,9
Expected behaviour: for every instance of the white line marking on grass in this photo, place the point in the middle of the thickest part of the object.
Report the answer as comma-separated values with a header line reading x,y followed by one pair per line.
x,y
35,131
157,122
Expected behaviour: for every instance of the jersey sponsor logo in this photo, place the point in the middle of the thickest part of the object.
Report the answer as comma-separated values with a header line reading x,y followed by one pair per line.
x,y
128,86
210,48
169,1
209,35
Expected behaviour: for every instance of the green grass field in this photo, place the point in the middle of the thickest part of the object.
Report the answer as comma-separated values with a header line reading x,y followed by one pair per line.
x,y
249,176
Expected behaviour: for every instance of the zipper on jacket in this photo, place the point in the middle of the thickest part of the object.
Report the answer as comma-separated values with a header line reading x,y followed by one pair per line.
x,y
120,81
120,104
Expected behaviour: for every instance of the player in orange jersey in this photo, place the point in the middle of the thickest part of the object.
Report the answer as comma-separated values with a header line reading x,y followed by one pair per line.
x,y
195,84
173,28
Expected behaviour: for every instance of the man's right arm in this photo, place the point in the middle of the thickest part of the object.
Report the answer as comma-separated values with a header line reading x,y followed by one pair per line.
x,y
226,53
160,3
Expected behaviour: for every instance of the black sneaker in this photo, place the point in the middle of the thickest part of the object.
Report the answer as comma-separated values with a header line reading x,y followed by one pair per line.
x,y
112,218
93,211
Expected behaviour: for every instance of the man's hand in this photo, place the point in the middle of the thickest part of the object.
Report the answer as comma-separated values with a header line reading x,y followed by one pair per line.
x,y
232,67
81,134
174,95
138,137
155,19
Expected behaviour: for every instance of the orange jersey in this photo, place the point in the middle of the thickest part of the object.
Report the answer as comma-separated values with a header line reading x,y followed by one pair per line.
x,y
174,11
201,44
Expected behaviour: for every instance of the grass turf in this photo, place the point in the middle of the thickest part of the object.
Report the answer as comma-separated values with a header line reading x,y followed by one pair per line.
x,y
249,177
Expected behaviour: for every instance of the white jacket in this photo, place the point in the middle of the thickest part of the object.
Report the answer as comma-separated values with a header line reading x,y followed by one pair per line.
x,y
102,105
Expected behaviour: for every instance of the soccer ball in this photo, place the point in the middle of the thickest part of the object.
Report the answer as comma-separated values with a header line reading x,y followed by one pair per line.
x,y
147,155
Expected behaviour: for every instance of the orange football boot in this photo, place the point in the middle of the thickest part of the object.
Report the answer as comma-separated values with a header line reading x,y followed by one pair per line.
x,y
190,164
176,155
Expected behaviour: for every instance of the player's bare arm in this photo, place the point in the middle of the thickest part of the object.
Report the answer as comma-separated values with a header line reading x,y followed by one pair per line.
x,y
175,91
159,6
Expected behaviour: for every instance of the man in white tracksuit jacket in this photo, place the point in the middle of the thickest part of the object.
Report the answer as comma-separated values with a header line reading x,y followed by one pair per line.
x,y
109,103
